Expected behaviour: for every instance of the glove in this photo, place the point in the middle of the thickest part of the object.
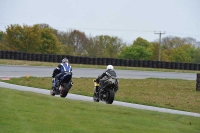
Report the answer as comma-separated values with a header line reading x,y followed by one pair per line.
x,y
97,80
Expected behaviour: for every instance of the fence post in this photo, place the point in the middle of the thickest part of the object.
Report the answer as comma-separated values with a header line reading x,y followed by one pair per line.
x,y
198,82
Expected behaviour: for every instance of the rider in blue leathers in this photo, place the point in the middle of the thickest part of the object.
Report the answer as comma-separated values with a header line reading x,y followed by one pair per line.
x,y
62,69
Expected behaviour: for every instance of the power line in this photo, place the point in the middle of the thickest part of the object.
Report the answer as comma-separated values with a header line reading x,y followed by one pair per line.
x,y
160,33
107,29
120,30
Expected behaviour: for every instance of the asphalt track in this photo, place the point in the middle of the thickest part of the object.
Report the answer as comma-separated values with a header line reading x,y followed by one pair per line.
x,y
20,71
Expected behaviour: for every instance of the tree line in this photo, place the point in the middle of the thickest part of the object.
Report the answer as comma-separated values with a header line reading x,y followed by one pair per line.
x,y
43,39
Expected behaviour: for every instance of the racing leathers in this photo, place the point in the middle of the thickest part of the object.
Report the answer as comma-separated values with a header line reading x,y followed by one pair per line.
x,y
60,71
106,75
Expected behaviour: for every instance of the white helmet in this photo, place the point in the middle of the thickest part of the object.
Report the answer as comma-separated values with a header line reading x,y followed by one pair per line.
x,y
110,67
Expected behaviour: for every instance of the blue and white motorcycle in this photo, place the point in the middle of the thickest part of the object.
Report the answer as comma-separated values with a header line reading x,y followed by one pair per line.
x,y
65,84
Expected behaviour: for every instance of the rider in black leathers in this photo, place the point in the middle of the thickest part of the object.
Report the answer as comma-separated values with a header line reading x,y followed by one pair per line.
x,y
105,75
62,69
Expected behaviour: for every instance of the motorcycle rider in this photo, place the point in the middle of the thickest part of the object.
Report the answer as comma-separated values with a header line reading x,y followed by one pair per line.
x,y
60,71
105,75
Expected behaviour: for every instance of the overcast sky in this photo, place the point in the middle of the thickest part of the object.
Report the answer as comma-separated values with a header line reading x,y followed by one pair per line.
x,y
126,19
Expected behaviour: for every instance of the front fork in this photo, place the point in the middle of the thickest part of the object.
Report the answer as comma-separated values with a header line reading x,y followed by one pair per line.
x,y
96,88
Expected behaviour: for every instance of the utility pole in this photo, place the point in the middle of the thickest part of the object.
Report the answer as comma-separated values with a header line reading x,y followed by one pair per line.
x,y
160,33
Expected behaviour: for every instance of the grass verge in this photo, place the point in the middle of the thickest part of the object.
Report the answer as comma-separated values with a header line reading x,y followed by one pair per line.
x,y
30,112
167,93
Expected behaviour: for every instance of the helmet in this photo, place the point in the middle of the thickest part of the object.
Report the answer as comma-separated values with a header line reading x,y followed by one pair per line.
x,y
110,67
65,60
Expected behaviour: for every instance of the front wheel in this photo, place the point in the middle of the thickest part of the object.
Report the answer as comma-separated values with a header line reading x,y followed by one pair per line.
x,y
95,98
110,96
52,93
64,90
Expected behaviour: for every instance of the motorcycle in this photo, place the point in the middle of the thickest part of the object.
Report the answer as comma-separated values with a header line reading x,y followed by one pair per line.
x,y
65,85
105,91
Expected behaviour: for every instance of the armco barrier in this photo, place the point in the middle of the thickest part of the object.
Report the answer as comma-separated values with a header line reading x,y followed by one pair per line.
x,y
16,55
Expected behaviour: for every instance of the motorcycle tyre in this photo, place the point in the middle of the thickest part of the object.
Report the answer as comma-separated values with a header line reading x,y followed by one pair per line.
x,y
95,99
64,90
111,95
52,93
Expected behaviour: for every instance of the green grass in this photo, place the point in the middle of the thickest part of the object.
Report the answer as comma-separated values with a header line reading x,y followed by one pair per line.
x,y
26,112
36,63
167,93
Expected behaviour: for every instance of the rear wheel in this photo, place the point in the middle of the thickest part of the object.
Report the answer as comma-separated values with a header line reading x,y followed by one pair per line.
x,y
64,90
110,96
